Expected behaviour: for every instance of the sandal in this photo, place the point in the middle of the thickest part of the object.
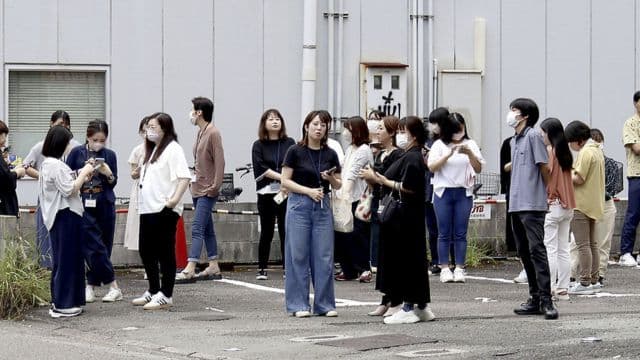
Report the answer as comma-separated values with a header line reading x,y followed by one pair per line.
x,y
185,277
207,274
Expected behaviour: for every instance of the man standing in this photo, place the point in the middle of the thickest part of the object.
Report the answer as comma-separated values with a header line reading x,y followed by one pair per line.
x,y
205,185
32,161
528,205
631,140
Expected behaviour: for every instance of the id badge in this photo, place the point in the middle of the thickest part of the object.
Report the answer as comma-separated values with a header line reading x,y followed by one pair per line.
x,y
274,187
193,178
90,203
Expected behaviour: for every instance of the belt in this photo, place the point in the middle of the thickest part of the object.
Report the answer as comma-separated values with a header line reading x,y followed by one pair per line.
x,y
92,190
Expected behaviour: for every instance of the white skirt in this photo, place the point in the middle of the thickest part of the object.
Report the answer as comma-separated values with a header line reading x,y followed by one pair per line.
x,y
132,230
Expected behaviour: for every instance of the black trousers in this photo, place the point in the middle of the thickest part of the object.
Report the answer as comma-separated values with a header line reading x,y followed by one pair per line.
x,y
354,247
269,213
528,231
158,249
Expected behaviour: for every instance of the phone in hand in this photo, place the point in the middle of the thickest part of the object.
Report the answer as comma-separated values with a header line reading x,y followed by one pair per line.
x,y
280,197
98,162
331,170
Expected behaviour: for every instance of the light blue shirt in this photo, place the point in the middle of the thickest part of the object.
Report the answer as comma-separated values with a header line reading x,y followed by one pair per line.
x,y
528,191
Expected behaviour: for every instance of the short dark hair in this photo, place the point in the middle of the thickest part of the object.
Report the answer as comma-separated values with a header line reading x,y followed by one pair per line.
x,y
577,131
451,126
439,115
263,133
528,108
325,117
97,126
143,122
375,115
205,105
166,124
597,135
56,141
4,129
61,114
414,126
636,96
359,130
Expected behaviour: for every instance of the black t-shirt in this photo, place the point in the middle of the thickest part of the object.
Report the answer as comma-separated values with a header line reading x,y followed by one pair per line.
x,y
269,154
307,164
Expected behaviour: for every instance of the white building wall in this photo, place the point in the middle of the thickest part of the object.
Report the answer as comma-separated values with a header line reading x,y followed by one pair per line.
x,y
578,59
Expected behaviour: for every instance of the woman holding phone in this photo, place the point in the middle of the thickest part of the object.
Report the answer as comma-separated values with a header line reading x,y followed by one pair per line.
x,y
99,218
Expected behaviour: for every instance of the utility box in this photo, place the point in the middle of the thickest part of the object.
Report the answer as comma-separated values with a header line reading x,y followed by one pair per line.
x,y
383,86
461,91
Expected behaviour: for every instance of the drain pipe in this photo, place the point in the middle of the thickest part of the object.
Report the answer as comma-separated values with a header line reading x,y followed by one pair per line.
x,y
420,63
414,54
330,56
431,75
338,113
308,59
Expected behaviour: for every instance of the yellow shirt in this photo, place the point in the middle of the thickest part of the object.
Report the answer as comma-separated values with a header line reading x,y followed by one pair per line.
x,y
630,136
590,166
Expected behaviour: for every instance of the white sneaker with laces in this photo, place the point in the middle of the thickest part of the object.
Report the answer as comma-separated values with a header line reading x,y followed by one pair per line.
x,y
446,276
158,301
113,295
58,313
302,314
142,300
402,317
579,289
89,294
521,278
627,260
424,314
458,275
597,287
331,313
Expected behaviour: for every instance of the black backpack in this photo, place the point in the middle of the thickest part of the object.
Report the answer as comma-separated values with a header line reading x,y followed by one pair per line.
x,y
614,178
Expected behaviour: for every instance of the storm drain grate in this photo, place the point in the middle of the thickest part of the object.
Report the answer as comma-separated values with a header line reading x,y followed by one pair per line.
x,y
208,318
377,342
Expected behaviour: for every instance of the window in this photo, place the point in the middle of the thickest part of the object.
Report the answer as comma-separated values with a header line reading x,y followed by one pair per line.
x,y
35,95
377,82
395,82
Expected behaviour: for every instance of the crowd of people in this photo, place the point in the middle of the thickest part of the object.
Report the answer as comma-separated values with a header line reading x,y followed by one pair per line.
x,y
374,206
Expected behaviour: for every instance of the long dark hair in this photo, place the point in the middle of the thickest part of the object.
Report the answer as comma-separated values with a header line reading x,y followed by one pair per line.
x,y
263,133
555,133
166,124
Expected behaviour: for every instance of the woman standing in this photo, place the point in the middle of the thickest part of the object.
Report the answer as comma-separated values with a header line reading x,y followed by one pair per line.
x,y
355,244
61,205
389,153
8,179
132,229
561,200
309,168
267,156
403,237
99,218
164,178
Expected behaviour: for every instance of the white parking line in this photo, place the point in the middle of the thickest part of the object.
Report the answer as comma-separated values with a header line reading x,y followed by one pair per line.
x,y
504,281
339,302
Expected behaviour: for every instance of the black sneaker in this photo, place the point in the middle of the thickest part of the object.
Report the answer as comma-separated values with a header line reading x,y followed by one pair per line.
x,y
262,275
531,307
550,312
435,269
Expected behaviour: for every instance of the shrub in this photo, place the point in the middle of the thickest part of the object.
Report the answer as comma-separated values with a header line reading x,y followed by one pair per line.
x,y
23,283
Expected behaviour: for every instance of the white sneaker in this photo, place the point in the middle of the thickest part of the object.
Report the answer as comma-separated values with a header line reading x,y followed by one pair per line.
x,y
58,313
113,295
579,289
392,310
89,294
424,314
302,314
402,317
158,301
627,260
331,313
458,275
142,300
521,278
597,287
446,276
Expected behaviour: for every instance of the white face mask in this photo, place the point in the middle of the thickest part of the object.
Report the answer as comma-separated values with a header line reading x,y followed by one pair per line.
x,y
347,139
193,118
96,146
511,119
153,136
434,128
402,140
458,136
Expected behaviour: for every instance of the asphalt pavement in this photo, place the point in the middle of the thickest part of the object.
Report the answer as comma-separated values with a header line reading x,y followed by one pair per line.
x,y
243,318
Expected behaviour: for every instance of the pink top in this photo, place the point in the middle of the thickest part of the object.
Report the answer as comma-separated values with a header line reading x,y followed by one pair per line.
x,y
560,186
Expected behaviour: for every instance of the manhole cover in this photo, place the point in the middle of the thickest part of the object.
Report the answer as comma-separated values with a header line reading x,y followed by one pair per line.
x,y
318,338
208,318
377,342
430,353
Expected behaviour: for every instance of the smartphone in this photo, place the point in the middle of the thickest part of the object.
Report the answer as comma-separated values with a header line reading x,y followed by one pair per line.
x,y
99,162
331,171
280,197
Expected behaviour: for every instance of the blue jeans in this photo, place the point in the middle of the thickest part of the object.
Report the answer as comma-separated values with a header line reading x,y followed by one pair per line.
x,y
453,210
309,254
202,231
631,217
432,230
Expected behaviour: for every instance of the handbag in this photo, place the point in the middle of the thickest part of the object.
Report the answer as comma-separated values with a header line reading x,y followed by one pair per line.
x,y
389,208
342,215
363,209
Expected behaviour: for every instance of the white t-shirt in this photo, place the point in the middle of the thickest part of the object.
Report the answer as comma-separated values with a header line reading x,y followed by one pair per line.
x,y
457,171
335,146
55,190
159,181
35,157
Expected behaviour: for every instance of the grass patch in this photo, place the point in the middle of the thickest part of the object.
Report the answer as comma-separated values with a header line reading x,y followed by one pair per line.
x,y
23,283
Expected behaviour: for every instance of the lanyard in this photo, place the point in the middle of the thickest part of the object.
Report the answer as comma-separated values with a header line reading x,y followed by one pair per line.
x,y
146,165
90,185
278,158
316,168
